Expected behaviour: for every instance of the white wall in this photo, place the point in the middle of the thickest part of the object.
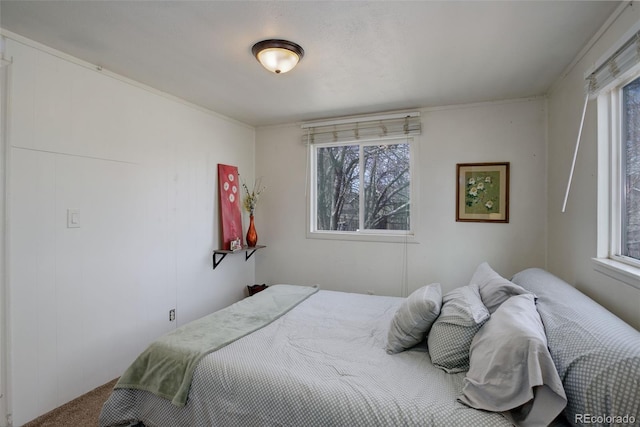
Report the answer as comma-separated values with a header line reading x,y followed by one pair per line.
x,y
142,169
572,235
448,252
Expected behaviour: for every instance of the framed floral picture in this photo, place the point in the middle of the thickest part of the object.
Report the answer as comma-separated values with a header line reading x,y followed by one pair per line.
x,y
482,193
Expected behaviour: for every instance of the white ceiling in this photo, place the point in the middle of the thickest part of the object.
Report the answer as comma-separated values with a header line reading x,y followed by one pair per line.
x,y
360,56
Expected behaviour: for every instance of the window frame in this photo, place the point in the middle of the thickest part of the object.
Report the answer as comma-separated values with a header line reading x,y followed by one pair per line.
x,y
611,185
372,235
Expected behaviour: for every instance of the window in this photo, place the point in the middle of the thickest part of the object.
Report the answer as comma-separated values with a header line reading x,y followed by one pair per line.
x,y
629,209
362,177
362,187
615,81
619,189
618,252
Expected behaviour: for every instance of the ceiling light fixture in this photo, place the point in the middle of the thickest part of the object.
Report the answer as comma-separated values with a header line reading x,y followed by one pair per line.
x,y
277,56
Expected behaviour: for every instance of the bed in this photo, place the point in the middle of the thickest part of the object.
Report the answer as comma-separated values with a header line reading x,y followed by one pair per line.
x,y
323,362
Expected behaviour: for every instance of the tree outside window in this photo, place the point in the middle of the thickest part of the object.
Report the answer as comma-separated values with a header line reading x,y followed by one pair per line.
x,y
363,187
630,149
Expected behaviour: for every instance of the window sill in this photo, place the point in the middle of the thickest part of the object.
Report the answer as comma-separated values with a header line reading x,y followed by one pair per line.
x,y
618,270
363,237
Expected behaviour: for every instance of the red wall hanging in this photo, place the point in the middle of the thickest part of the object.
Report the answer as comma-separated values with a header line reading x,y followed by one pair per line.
x,y
231,217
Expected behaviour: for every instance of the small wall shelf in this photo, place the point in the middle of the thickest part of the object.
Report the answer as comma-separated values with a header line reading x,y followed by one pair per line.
x,y
219,254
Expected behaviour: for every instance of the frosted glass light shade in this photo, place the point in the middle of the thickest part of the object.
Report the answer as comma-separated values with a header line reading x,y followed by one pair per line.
x,y
278,60
278,56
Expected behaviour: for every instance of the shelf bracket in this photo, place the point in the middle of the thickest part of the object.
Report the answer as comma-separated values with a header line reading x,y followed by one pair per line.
x,y
217,261
248,254
218,255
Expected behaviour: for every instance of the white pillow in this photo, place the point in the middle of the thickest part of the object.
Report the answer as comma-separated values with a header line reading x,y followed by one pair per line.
x,y
510,366
494,289
414,318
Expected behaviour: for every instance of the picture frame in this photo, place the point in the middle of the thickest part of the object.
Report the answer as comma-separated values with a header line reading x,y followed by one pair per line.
x,y
236,244
482,192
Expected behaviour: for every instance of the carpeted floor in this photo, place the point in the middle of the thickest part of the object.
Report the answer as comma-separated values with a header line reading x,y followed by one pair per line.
x,y
83,411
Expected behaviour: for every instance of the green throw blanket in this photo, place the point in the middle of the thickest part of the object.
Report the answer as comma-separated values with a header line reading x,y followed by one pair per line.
x,y
166,367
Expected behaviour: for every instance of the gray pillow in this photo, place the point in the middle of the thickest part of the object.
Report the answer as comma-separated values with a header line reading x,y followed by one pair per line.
x,y
414,318
494,289
511,367
597,355
461,316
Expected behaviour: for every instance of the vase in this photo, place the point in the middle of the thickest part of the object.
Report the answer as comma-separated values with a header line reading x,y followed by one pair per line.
x,y
252,236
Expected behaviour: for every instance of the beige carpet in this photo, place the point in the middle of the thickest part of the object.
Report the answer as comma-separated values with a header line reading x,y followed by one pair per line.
x,y
83,411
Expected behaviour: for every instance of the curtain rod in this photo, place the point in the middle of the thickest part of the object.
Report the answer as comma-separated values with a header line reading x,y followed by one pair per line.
x,y
308,125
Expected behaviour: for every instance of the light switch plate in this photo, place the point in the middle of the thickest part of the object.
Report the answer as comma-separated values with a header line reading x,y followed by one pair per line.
x,y
73,218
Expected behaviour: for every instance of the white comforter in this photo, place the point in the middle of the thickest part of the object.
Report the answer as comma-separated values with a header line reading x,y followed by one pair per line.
x,y
322,364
